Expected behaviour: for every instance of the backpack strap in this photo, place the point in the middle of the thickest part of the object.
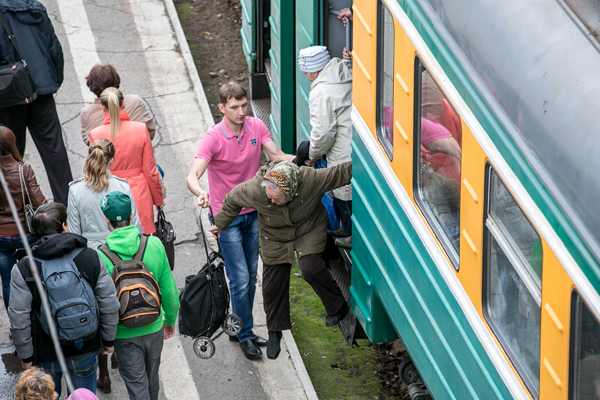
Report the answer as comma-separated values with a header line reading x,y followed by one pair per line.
x,y
139,255
112,256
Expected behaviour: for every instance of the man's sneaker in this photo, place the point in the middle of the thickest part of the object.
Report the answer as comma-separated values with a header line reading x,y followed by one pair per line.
x,y
332,320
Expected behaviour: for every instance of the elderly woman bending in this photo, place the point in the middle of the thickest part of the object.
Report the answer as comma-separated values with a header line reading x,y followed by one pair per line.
x,y
292,222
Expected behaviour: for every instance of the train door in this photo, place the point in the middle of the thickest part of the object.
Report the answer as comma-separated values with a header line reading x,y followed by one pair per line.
x,y
307,34
248,32
279,68
316,24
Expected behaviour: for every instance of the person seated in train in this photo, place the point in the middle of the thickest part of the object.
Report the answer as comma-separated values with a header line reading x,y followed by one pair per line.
x,y
292,223
441,150
330,104
92,116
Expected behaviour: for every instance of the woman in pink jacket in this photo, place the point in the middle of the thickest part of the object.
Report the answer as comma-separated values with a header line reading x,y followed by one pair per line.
x,y
134,156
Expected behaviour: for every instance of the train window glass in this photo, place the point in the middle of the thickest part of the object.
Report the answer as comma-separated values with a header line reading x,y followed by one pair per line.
x,y
512,274
385,80
585,352
439,145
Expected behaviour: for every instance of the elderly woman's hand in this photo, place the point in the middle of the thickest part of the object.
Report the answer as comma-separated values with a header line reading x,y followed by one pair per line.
x,y
216,232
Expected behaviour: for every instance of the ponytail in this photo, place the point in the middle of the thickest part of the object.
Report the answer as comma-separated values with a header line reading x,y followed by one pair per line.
x,y
95,169
112,99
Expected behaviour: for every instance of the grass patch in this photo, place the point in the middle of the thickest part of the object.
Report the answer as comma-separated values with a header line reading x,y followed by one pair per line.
x,y
336,370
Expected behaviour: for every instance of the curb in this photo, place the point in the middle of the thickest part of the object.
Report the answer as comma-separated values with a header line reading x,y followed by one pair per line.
x,y
290,343
189,62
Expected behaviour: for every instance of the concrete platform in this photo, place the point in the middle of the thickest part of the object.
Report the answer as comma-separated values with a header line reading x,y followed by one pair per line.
x,y
144,41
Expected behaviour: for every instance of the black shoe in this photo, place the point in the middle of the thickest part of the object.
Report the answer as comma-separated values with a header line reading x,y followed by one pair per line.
x,y
250,349
273,347
262,342
332,320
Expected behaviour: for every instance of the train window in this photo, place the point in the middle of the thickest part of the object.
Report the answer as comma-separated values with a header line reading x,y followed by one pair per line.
x,y
513,281
385,80
439,146
585,352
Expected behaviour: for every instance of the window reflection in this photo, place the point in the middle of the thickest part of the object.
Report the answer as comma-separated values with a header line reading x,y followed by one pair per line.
x,y
440,156
585,359
513,288
385,130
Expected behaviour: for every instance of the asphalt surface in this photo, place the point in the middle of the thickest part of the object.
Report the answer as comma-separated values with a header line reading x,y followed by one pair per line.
x,y
145,44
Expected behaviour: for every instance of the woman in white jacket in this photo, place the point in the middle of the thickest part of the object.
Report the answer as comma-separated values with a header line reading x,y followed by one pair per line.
x,y
85,217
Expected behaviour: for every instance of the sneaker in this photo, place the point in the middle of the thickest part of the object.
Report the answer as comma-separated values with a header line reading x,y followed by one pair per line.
x,y
344,242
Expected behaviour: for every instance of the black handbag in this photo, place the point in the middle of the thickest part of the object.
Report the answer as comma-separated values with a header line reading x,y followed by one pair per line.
x,y
16,87
27,204
166,234
204,302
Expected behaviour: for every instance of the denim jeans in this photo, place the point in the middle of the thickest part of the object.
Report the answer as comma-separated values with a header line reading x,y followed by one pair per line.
x,y
239,245
8,245
83,373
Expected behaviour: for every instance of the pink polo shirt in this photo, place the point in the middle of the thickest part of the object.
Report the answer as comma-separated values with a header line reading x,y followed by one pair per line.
x,y
231,161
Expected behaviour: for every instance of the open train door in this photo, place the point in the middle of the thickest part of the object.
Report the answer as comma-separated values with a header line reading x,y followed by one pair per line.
x,y
307,34
280,67
248,32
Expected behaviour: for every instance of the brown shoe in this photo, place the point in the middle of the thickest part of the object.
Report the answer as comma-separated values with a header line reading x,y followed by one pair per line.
x,y
103,383
114,364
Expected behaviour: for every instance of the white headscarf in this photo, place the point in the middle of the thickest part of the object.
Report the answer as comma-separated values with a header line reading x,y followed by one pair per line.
x,y
313,59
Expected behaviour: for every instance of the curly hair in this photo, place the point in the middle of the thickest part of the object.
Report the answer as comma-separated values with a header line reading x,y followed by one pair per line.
x,y
34,384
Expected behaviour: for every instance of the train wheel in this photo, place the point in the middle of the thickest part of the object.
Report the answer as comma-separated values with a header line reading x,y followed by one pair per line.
x,y
232,325
204,347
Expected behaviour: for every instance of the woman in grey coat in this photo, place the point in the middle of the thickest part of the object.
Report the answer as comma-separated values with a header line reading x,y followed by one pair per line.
x,y
85,217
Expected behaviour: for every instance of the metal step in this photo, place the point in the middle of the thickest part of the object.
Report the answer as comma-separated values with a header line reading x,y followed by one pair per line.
x,y
262,109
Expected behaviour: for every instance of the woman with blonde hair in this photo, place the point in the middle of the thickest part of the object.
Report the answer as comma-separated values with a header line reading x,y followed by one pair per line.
x,y
34,384
134,156
10,240
85,217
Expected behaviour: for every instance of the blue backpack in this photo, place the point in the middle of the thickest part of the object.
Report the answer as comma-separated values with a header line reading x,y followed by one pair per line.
x,y
71,299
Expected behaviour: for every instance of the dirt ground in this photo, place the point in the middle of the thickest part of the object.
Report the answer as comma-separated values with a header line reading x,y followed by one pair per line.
x,y
212,28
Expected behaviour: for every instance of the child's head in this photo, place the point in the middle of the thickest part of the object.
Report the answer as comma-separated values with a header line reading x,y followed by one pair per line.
x,y
34,384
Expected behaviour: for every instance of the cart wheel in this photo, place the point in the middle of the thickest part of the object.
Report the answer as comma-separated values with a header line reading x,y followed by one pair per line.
x,y
232,325
204,347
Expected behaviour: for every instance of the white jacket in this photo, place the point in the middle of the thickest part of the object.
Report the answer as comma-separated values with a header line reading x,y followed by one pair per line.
x,y
84,214
330,103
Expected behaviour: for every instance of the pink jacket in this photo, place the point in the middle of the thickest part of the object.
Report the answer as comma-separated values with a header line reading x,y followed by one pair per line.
x,y
134,161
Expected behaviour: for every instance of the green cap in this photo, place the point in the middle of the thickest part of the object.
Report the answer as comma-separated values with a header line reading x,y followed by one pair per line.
x,y
116,206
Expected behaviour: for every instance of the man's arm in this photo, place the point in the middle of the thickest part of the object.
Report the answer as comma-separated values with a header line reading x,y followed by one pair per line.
x,y
19,314
275,154
193,181
323,122
108,305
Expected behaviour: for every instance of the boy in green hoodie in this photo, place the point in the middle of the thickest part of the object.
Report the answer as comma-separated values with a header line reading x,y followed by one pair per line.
x,y
138,349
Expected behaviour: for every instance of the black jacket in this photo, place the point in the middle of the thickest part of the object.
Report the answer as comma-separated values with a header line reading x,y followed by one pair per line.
x,y
39,45
31,341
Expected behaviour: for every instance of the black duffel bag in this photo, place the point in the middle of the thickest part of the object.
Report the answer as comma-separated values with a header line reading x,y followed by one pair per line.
x,y
16,87
204,302
166,234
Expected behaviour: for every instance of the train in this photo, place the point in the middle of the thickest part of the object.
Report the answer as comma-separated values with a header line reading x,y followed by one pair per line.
x,y
477,244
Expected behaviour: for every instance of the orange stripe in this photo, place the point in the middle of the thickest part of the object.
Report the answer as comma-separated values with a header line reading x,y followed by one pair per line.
x,y
137,315
138,287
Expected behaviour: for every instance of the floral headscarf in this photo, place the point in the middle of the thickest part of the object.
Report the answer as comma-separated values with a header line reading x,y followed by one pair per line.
x,y
285,176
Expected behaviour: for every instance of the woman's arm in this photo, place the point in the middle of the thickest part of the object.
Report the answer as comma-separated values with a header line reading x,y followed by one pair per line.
x,y
35,193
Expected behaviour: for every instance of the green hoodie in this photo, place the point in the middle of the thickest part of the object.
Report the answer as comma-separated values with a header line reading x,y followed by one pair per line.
x,y
125,242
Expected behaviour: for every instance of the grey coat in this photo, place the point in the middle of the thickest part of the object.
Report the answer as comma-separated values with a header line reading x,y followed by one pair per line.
x,y
84,215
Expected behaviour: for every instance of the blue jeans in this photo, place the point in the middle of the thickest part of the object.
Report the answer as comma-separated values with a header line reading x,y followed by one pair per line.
x,y
83,373
8,245
239,245
344,209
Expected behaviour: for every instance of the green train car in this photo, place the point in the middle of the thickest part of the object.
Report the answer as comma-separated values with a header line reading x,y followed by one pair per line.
x,y
475,156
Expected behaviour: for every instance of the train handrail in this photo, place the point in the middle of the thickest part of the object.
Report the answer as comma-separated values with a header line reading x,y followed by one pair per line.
x,y
333,12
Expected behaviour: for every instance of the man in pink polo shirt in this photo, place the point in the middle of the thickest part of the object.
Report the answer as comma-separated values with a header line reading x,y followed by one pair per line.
x,y
231,152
